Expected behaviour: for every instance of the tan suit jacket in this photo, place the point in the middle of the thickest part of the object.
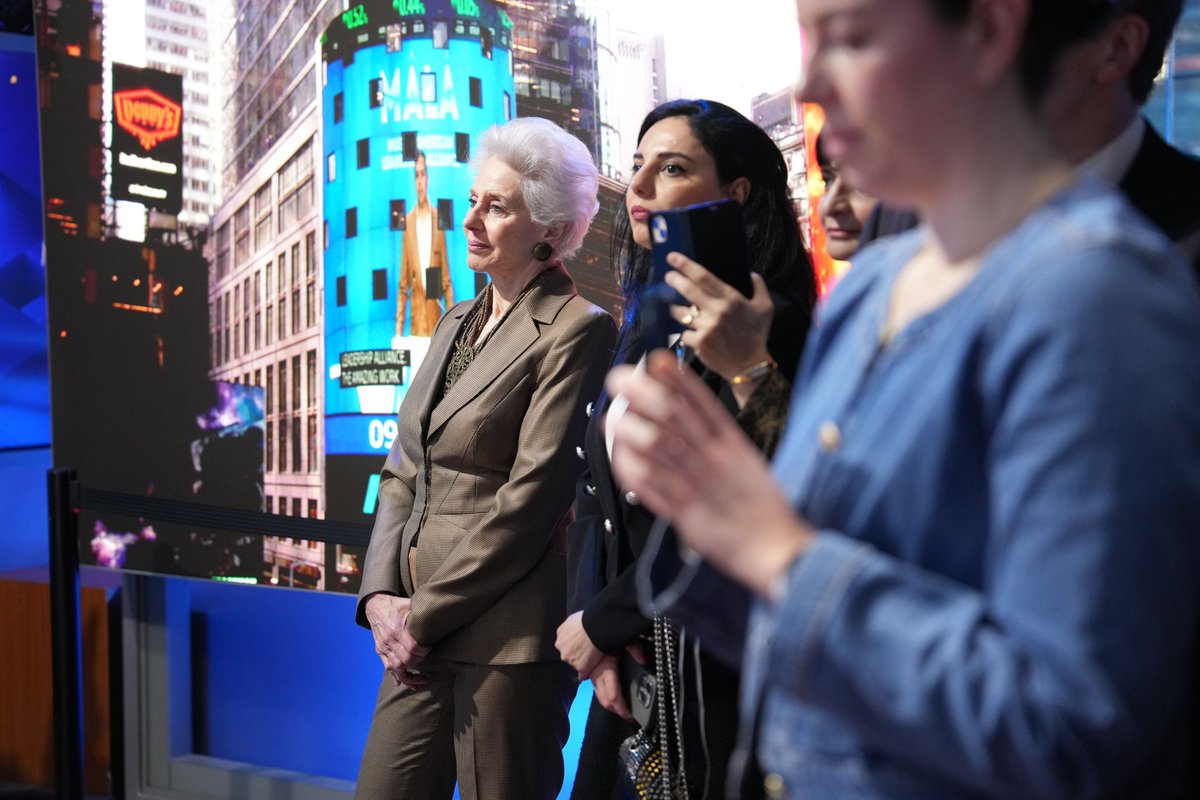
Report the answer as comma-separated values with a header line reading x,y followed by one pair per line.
x,y
424,312
482,482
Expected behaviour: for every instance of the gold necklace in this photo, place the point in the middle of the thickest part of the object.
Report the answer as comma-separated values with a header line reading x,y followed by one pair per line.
x,y
466,347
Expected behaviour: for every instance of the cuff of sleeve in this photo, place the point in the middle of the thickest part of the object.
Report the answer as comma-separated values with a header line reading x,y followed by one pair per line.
x,y
418,623
607,639
764,415
815,586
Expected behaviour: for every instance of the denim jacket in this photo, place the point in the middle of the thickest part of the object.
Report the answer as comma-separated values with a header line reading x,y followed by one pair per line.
x,y
1002,598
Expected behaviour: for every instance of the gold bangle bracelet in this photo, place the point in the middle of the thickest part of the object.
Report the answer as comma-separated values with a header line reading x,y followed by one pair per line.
x,y
754,372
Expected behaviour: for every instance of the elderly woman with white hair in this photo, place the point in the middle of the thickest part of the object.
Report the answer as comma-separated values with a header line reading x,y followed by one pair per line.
x,y
465,576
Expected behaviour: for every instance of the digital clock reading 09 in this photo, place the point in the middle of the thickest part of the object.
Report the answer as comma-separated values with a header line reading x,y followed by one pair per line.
x,y
354,18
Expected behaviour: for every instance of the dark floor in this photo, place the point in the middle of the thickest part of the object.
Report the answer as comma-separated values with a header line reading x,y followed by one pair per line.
x,y
20,791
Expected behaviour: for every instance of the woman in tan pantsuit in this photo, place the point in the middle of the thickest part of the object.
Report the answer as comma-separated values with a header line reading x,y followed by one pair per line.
x,y
465,577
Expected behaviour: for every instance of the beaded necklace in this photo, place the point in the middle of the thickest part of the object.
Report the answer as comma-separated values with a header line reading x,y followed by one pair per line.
x,y
465,347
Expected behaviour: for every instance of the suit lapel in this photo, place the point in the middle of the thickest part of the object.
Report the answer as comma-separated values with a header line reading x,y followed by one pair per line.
x,y
514,336
510,341
433,369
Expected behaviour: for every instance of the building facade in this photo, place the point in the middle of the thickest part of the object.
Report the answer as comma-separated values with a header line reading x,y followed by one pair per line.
x,y
554,66
179,40
265,287
631,74
781,117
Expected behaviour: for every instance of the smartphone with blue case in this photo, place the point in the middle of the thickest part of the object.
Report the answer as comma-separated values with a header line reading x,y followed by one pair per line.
x,y
711,234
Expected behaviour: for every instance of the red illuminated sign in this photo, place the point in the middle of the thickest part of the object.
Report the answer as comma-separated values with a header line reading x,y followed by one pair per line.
x,y
147,115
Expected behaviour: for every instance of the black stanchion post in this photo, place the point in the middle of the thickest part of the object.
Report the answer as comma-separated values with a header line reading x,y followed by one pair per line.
x,y
64,631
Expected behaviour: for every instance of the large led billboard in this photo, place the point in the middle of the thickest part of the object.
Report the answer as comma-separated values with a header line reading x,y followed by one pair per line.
x,y
331,143
406,89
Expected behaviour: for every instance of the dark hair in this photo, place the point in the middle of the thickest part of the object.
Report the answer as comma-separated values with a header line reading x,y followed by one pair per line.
x,y
740,149
1054,25
1161,17
824,162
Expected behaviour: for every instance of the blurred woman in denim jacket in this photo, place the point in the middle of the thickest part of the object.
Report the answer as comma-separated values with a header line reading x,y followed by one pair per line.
x,y
976,567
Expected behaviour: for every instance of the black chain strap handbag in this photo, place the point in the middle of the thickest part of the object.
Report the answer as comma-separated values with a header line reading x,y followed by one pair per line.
x,y
645,756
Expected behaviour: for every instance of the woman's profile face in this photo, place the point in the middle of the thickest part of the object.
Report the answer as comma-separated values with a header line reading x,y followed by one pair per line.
x,y
890,77
670,169
843,210
500,232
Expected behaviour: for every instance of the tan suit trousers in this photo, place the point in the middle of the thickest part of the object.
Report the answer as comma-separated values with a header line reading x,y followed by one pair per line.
x,y
499,730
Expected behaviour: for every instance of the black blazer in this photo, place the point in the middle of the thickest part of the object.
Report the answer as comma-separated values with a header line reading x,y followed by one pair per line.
x,y
884,220
610,532
1164,184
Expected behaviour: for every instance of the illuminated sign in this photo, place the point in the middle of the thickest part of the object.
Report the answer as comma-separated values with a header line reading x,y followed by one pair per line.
x,y
142,162
147,115
409,8
147,140
421,80
354,18
417,96
373,367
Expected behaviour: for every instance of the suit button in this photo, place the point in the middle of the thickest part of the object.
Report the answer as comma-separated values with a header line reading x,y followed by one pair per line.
x,y
590,408
579,451
608,526
631,498
829,436
591,490
774,787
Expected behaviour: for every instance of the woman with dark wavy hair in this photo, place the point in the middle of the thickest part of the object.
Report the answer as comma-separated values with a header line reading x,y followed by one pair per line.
x,y
746,351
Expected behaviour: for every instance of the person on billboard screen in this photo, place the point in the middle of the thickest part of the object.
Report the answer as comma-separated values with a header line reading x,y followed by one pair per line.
x,y
974,555
425,289
464,579
746,350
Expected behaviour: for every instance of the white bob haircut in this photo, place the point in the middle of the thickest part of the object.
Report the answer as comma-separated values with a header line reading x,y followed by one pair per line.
x,y
558,179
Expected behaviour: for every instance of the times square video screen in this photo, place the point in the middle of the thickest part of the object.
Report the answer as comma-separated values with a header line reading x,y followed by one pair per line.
x,y
236,298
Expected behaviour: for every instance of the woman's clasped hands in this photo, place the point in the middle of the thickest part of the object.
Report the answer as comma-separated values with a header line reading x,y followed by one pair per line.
x,y
400,653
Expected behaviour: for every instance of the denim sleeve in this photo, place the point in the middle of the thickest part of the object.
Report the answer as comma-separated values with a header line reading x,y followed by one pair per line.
x,y
696,596
1065,673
